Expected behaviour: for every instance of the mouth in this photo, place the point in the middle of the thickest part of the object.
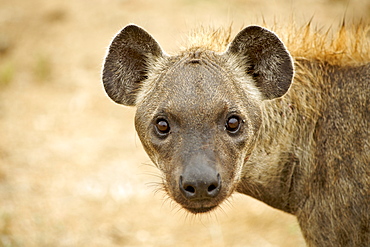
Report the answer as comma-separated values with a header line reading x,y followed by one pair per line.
x,y
200,210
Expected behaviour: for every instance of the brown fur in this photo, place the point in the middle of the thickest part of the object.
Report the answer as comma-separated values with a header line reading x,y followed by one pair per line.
x,y
325,144
346,46
306,153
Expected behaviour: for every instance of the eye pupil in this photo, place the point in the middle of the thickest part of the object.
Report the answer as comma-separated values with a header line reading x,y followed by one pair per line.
x,y
233,124
162,126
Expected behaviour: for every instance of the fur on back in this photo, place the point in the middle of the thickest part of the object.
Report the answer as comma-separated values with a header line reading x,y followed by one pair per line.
x,y
348,45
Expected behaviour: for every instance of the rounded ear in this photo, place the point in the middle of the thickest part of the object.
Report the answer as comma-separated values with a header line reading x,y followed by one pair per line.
x,y
126,64
265,58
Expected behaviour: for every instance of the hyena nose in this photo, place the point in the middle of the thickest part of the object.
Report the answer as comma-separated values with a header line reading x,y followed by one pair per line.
x,y
198,186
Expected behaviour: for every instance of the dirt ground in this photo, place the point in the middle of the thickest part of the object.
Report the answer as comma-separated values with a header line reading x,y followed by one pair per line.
x,y
72,170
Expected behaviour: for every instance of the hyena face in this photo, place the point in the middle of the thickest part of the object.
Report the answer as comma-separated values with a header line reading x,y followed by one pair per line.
x,y
198,113
195,129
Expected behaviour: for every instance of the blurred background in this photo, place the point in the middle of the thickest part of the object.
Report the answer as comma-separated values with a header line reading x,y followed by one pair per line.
x,y
72,170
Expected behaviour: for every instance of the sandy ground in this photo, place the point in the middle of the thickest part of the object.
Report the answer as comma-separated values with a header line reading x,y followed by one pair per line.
x,y
72,170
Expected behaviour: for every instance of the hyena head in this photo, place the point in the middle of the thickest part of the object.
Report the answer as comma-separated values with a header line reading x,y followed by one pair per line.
x,y
198,113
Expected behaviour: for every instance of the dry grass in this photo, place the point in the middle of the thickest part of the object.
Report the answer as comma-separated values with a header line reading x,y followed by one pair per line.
x,y
72,171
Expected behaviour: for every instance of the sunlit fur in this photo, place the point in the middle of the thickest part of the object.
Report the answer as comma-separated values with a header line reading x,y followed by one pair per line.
x,y
346,45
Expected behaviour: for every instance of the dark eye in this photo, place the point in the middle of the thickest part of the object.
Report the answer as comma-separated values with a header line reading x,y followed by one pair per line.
x,y
233,124
162,126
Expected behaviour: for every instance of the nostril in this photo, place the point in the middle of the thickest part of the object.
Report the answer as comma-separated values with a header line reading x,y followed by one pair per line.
x,y
190,189
186,188
212,187
215,187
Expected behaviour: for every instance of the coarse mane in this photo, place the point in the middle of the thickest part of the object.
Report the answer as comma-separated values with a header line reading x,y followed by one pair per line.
x,y
208,38
347,46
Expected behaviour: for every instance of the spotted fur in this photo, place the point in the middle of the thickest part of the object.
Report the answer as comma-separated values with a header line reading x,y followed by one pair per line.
x,y
305,146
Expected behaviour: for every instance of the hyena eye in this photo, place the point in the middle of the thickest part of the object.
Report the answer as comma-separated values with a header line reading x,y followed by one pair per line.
x,y
233,124
162,126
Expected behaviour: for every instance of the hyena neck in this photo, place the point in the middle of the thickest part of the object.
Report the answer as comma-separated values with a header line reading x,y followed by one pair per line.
x,y
284,146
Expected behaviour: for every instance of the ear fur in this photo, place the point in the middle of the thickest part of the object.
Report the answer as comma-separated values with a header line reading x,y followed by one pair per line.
x,y
266,59
126,63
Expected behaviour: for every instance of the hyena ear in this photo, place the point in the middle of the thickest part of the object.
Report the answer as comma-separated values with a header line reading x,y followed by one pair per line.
x,y
126,65
265,58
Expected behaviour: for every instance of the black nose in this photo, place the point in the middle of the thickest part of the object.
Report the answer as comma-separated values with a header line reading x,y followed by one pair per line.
x,y
200,183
